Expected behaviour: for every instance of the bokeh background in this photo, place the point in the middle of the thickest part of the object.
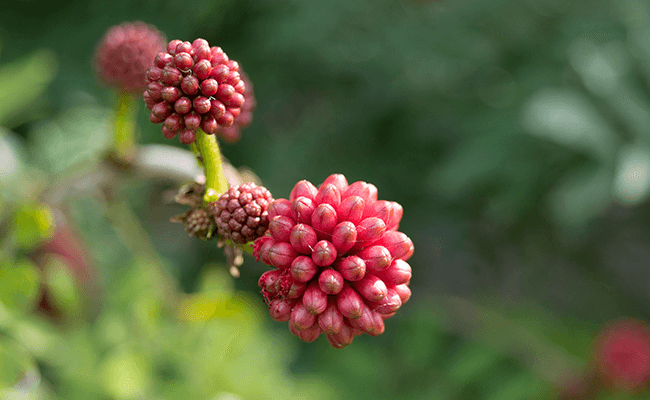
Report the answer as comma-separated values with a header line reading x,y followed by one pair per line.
x,y
515,134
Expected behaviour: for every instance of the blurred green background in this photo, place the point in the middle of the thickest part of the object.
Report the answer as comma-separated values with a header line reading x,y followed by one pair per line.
x,y
515,134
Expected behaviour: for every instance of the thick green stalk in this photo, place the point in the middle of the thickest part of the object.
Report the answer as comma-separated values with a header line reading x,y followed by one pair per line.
x,y
124,137
215,179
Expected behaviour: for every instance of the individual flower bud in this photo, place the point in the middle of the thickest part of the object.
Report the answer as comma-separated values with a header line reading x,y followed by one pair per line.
x,y
173,122
192,120
201,104
167,133
369,230
314,300
337,180
217,109
376,258
352,268
184,47
344,236
154,74
302,209
183,105
225,92
330,320
187,136
220,73
233,78
398,273
226,119
161,110
154,89
361,189
241,216
403,291
330,281
389,304
190,85
153,118
264,251
371,288
279,207
281,255
324,253
381,209
148,100
172,76
342,339
170,94
378,326
301,319
296,289
171,46
202,71
281,227
280,310
351,209
209,124
303,189
235,101
308,335
324,219
268,280
198,43
303,238
209,87
393,223
303,269
366,322
183,61
398,244
202,53
125,53
349,303
162,59
328,194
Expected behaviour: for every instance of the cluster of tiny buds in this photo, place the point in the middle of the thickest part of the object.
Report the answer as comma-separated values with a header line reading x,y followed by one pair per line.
x,y
193,86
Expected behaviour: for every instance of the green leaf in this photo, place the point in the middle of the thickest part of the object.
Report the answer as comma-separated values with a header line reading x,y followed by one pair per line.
x,y
23,82
62,285
20,285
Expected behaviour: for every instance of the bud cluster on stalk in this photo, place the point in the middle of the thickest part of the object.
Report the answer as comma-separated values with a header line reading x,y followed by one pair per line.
x,y
193,86
340,261
125,53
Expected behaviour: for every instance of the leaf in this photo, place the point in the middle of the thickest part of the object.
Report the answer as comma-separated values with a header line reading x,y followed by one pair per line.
x,y
23,82
33,223
62,285
632,181
19,285
568,118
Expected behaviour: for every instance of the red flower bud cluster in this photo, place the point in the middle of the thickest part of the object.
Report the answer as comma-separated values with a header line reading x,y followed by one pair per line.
x,y
341,262
193,86
233,133
125,53
622,355
241,214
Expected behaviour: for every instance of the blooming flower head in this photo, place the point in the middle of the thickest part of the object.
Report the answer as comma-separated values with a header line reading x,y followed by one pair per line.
x,y
340,261
125,53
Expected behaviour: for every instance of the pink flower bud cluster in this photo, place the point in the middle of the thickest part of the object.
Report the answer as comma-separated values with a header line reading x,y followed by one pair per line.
x,y
622,355
232,134
340,261
193,86
125,53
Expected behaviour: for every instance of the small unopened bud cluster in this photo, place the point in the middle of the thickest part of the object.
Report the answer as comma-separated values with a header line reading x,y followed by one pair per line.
x,y
198,222
241,214
125,53
341,262
193,86
233,133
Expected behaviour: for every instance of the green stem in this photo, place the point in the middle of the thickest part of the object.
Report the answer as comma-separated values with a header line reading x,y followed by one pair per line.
x,y
124,138
215,179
